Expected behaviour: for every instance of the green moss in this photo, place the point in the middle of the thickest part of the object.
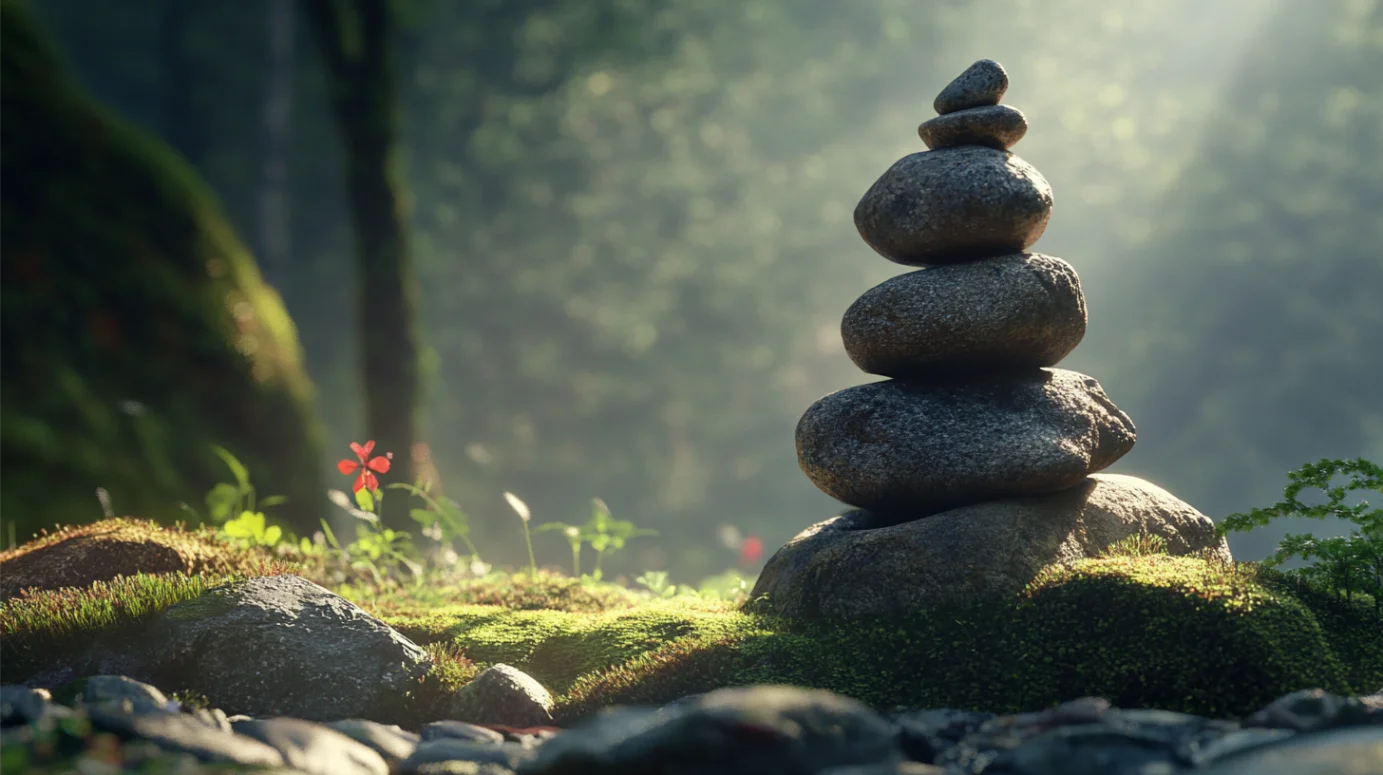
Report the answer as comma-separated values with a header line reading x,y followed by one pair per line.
x,y
558,647
1151,631
123,282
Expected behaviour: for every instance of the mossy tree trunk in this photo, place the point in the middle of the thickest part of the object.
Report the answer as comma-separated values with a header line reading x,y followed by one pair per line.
x,y
356,39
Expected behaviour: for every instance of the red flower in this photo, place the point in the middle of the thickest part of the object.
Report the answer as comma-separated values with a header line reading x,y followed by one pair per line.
x,y
751,550
367,465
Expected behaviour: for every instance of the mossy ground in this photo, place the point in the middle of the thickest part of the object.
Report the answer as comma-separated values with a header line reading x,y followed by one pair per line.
x,y
1143,630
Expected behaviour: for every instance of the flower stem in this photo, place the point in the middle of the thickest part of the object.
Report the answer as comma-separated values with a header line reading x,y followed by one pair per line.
x,y
532,563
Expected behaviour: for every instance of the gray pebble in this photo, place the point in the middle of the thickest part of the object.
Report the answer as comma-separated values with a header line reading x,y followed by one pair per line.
x,y
993,126
982,83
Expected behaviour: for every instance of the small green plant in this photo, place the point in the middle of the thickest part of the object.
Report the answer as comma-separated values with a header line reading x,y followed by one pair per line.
x,y
731,586
1347,563
656,582
442,520
602,531
234,508
521,509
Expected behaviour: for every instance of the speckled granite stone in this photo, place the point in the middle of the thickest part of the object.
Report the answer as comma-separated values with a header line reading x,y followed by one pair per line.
x,y
994,126
982,83
954,205
923,447
1013,311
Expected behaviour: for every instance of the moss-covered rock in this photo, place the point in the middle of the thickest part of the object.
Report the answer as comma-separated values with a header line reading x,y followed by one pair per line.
x,y
1177,633
135,329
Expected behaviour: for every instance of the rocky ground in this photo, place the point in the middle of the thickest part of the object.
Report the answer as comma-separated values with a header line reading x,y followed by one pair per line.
x,y
279,670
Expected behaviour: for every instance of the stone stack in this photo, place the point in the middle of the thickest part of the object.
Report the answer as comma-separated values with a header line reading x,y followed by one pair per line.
x,y
972,465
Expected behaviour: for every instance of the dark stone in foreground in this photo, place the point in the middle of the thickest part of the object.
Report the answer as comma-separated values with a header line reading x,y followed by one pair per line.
x,y
1014,311
953,205
917,448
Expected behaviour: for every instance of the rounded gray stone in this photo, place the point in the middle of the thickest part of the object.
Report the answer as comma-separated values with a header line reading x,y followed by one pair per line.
x,y
993,126
954,205
1018,310
920,447
982,83
861,565
502,694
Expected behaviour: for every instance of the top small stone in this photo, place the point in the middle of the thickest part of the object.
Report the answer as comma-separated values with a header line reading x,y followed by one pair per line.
x,y
982,83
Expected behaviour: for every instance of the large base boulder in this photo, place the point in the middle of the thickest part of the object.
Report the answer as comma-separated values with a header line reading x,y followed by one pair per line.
x,y
860,564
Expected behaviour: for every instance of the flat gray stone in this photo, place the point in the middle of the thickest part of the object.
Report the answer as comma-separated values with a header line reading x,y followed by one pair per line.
x,y
993,126
734,731
917,448
1346,751
982,83
452,749
1013,311
314,748
954,205
179,732
390,741
860,565
114,690
460,730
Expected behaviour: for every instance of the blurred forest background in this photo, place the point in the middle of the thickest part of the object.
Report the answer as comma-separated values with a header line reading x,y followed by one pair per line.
x,y
629,227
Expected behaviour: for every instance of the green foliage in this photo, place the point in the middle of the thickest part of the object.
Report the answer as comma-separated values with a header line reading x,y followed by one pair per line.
x,y
1349,563
233,507
602,531
442,520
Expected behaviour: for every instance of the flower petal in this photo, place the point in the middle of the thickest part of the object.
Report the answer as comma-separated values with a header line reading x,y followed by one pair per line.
x,y
368,448
359,450
380,464
347,467
370,481
359,482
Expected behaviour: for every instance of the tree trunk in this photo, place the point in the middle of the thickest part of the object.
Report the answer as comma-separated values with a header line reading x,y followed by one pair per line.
x,y
356,37
275,228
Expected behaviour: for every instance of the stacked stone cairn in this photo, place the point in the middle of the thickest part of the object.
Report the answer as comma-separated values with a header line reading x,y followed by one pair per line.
x,y
972,466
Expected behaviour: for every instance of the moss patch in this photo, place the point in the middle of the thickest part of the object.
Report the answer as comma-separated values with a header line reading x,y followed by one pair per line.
x,y
1160,632
79,555
136,329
